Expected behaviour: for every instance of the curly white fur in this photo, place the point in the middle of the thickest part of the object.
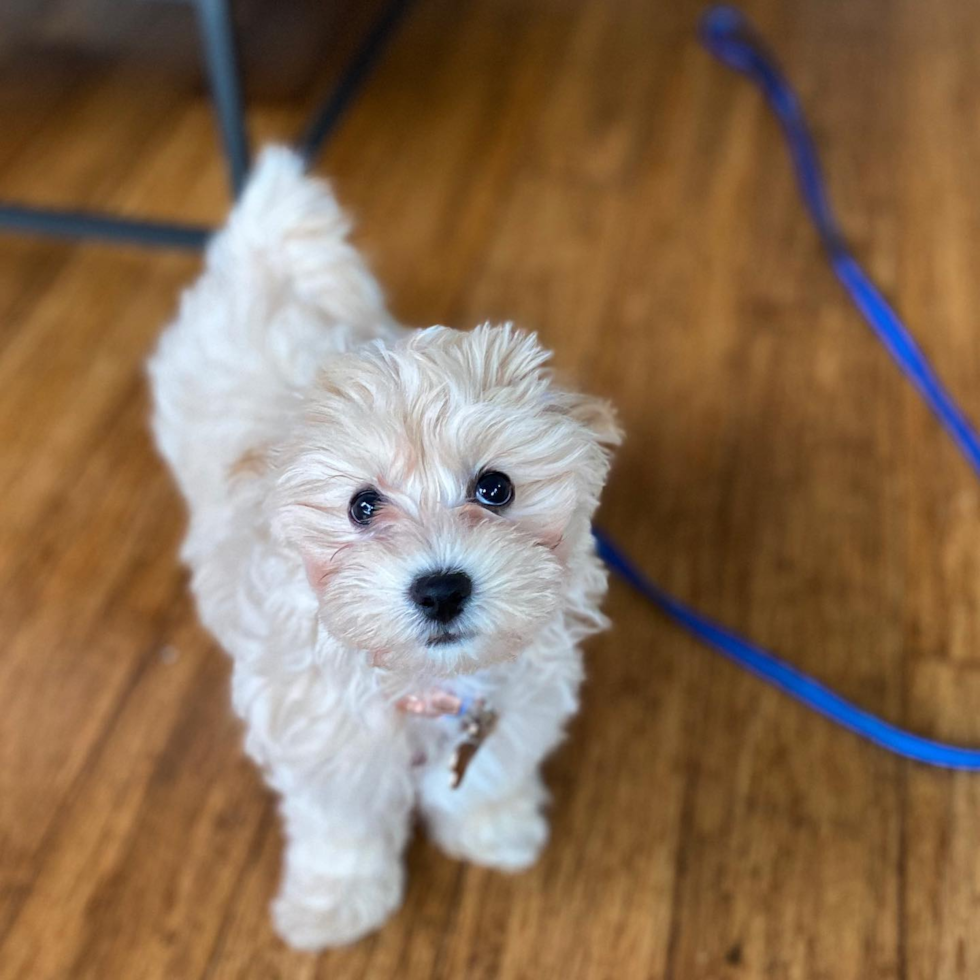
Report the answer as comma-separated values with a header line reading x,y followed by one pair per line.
x,y
282,389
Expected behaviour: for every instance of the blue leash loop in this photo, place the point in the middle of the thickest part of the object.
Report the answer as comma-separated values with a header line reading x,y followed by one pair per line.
x,y
727,34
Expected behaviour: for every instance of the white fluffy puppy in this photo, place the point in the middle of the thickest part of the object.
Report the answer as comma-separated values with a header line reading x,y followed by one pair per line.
x,y
376,514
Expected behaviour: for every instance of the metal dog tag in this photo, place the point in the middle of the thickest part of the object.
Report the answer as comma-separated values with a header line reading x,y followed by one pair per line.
x,y
478,724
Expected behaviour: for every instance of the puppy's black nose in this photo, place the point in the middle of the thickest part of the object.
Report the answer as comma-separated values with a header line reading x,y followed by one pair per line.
x,y
441,595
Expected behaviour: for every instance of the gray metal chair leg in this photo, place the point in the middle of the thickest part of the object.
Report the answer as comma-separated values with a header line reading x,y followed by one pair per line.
x,y
102,227
225,78
224,74
328,115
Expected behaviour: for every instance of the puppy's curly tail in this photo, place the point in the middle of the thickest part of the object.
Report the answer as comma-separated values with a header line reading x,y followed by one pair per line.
x,y
291,225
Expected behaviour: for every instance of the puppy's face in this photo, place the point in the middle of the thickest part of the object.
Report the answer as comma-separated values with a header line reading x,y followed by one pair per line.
x,y
437,491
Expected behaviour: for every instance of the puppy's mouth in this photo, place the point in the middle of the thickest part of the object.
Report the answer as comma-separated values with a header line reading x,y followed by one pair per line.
x,y
447,638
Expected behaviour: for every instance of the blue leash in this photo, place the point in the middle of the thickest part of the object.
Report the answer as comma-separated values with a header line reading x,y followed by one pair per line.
x,y
727,34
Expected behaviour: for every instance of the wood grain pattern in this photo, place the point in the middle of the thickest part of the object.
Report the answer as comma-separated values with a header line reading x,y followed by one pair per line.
x,y
581,167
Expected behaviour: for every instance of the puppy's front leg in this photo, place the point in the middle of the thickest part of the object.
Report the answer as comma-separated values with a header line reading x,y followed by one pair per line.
x,y
342,868
501,828
495,817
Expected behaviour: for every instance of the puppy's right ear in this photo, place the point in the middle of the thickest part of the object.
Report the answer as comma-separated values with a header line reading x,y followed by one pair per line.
x,y
517,359
596,414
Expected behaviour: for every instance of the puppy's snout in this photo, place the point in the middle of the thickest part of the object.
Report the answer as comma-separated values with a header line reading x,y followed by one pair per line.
x,y
441,596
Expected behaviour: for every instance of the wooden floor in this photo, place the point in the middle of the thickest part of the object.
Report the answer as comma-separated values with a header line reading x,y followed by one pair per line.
x,y
582,167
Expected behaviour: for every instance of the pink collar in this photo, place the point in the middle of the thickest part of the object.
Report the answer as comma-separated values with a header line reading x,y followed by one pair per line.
x,y
434,703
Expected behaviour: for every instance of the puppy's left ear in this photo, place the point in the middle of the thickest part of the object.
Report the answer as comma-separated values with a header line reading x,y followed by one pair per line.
x,y
596,414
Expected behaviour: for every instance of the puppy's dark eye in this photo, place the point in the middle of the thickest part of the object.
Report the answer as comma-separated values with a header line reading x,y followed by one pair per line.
x,y
364,505
494,489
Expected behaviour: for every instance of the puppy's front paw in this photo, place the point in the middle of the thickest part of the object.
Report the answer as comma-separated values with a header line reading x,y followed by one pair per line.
x,y
505,834
313,912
